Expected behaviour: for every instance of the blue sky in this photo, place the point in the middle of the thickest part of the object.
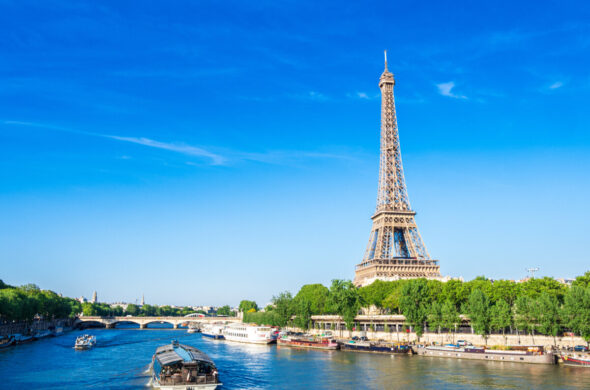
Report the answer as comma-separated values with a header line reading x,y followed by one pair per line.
x,y
205,152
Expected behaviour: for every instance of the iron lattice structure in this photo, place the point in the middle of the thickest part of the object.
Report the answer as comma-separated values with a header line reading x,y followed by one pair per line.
x,y
395,249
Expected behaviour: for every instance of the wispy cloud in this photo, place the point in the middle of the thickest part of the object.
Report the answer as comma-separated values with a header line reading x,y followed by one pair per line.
x,y
215,159
446,89
555,85
278,157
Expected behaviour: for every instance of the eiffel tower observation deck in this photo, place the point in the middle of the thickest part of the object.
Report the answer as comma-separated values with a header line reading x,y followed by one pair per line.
x,y
395,249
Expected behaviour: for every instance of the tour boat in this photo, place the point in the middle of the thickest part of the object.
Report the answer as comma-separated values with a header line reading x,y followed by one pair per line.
x,y
375,347
323,341
7,341
513,354
246,333
182,367
85,342
214,331
576,359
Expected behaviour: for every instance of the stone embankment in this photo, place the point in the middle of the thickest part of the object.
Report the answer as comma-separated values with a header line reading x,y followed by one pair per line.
x,y
444,338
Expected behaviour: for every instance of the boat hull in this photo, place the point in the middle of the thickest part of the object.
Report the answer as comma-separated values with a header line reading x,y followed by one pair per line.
x,y
248,341
545,358
384,349
573,361
208,386
213,336
308,344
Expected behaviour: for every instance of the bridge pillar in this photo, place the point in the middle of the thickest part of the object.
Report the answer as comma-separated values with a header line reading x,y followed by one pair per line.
x,y
176,326
109,326
142,326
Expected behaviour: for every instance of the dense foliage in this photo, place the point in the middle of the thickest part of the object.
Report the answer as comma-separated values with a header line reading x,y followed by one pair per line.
x,y
536,306
26,302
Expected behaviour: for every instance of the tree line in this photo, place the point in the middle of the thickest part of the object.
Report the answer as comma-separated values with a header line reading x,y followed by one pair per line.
x,y
536,306
26,302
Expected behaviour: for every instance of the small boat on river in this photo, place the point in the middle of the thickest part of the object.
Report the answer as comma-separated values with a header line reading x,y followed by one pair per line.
x,y
214,331
513,354
375,347
323,341
193,328
182,367
85,342
576,359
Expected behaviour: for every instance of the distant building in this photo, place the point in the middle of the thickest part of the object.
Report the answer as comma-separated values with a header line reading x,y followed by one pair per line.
x,y
82,300
122,305
94,297
142,299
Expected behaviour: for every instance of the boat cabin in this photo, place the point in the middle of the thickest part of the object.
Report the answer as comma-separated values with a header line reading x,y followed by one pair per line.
x,y
177,364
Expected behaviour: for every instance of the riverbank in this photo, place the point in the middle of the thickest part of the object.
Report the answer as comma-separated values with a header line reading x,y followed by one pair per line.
x,y
444,338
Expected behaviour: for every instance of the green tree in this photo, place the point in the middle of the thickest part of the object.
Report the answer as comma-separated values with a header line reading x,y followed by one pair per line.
x,y
302,313
317,296
246,305
549,315
132,310
414,304
581,281
284,307
435,316
500,317
525,314
346,301
450,316
479,312
224,311
576,311
376,293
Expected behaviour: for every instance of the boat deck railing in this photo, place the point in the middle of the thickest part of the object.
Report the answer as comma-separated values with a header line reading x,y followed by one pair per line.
x,y
178,380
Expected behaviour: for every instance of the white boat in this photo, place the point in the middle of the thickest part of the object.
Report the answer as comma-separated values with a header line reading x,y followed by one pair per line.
x,y
85,342
193,328
182,367
214,331
247,333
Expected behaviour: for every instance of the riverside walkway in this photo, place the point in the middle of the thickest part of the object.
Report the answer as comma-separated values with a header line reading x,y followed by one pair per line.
x,y
111,322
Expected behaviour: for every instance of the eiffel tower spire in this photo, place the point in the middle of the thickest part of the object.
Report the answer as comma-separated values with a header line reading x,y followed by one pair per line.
x,y
395,249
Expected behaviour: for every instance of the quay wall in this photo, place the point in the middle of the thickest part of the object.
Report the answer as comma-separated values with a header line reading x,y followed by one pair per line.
x,y
444,338
24,327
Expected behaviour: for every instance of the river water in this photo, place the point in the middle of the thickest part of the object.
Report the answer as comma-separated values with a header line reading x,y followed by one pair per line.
x,y
121,358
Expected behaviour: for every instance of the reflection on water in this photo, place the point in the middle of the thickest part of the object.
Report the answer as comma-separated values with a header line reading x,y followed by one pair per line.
x,y
122,356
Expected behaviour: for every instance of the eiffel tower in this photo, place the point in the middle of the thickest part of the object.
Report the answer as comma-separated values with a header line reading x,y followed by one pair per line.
x,y
395,250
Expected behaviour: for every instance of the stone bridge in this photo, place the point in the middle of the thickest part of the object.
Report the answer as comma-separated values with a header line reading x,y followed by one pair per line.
x,y
110,322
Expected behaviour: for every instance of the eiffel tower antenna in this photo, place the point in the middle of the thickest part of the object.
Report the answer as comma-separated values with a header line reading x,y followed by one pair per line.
x,y
395,249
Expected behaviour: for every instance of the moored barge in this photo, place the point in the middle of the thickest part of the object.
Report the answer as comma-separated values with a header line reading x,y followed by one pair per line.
x,y
576,359
515,354
182,367
375,347
324,341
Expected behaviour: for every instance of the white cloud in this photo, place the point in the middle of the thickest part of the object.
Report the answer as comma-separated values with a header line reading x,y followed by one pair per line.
x,y
555,85
174,147
362,95
446,89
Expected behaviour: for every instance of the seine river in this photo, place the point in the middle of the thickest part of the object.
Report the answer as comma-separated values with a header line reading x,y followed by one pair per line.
x,y
121,358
